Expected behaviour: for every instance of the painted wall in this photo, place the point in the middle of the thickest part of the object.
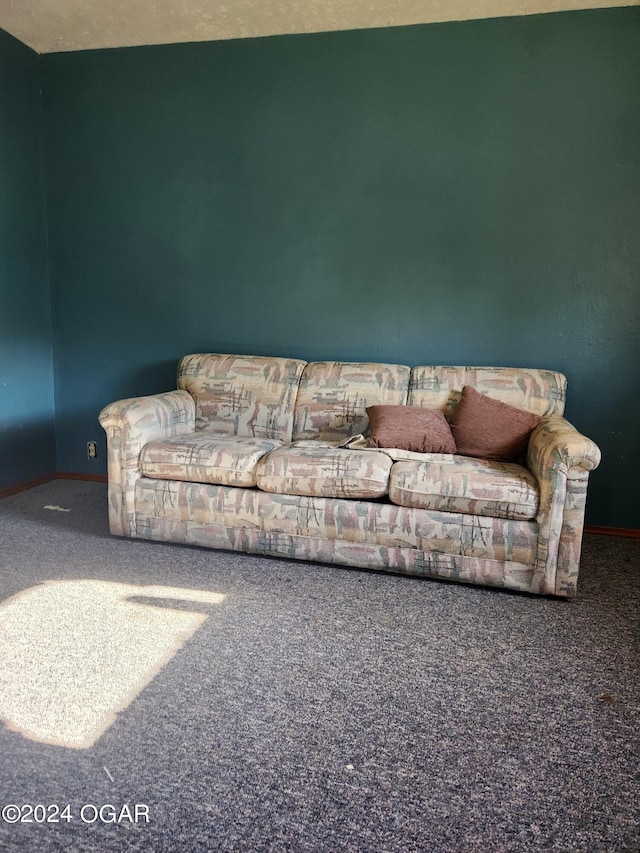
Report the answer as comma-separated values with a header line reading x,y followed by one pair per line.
x,y
454,193
27,428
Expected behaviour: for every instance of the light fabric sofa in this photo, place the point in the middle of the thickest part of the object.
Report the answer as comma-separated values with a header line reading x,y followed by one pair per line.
x,y
246,455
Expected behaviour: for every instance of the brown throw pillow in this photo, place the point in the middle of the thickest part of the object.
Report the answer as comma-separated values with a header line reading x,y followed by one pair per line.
x,y
489,428
410,428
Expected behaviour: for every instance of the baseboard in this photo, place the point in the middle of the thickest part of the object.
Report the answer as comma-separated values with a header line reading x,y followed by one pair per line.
x,y
89,478
625,532
21,487
59,475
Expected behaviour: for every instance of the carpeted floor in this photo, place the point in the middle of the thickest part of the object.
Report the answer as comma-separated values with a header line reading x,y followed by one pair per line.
x,y
254,704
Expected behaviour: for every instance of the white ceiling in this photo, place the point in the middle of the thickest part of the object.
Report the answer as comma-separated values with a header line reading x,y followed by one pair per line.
x,y
59,25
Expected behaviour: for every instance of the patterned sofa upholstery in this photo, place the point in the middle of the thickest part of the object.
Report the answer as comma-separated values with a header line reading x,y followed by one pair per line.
x,y
246,455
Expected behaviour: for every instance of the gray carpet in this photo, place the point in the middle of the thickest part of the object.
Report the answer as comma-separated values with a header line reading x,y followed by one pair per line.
x,y
317,708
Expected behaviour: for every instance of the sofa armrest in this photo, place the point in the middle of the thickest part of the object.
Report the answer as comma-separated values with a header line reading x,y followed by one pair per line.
x,y
129,425
561,460
555,443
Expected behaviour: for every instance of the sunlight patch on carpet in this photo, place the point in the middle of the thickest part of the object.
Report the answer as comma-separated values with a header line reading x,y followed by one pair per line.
x,y
73,654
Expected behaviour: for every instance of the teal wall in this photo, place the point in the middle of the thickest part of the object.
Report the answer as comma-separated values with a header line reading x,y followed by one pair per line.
x,y
27,428
453,193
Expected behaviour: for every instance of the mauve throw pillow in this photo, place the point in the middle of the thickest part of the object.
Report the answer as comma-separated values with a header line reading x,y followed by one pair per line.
x,y
489,428
410,428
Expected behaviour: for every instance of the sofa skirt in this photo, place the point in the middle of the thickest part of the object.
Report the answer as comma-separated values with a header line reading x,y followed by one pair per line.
x,y
364,534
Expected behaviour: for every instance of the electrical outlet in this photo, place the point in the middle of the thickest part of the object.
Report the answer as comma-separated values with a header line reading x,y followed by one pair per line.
x,y
92,450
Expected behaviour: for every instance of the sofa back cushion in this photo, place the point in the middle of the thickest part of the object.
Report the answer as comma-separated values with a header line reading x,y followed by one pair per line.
x,y
243,395
333,397
541,392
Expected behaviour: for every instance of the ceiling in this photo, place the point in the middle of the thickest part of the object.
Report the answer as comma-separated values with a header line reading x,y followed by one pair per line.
x,y
49,26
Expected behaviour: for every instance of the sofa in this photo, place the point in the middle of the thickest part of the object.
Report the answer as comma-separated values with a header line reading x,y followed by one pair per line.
x,y
276,456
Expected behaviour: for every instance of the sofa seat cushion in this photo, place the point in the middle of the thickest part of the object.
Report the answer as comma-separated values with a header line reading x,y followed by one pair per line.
x,y
470,486
206,457
320,469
